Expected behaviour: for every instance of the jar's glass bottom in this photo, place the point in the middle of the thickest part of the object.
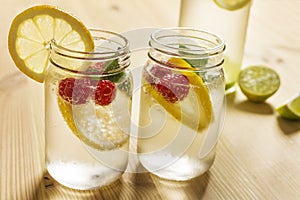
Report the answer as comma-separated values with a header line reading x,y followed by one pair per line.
x,y
184,168
81,175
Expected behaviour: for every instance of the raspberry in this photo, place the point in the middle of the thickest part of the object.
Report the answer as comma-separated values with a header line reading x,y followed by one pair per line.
x,y
106,68
173,87
155,73
97,68
105,92
75,91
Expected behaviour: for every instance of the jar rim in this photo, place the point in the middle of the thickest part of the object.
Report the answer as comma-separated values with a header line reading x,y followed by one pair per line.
x,y
94,55
110,48
218,44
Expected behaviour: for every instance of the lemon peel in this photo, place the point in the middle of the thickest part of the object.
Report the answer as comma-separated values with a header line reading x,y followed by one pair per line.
x,y
83,120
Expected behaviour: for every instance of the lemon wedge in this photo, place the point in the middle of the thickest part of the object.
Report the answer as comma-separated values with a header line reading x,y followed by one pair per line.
x,y
93,125
196,108
33,29
232,4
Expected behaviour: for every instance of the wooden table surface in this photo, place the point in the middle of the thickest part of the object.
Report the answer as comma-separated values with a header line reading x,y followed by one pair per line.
x,y
258,156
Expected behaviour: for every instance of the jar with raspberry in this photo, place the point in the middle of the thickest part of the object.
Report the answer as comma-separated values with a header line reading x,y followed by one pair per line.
x,y
182,103
88,101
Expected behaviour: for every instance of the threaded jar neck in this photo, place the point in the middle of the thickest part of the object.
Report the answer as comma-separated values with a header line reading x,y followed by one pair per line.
x,y
109,47
189,44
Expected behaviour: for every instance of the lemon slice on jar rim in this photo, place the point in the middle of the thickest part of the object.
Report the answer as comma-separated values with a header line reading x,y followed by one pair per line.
x,y
31,32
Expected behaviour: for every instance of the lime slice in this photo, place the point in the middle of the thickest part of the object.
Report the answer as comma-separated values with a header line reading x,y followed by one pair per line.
x,y
232,4
197,102
294,105
232,70
31,32
291,109
258,83
94,125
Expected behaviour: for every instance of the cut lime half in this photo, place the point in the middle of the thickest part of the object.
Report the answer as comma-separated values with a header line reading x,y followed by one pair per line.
x,y
258,83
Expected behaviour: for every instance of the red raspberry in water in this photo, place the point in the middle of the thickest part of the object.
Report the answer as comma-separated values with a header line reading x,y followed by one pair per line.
x,y
75,91
105,92
155,73
96,68
173,87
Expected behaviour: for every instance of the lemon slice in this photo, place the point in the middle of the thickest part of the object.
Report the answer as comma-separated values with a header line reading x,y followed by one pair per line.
x,y
93,125
31,32
291,109
258,83
196,106
232,4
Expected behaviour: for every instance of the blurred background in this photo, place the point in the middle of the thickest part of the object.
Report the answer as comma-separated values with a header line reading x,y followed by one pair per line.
x,y
114,15
266,17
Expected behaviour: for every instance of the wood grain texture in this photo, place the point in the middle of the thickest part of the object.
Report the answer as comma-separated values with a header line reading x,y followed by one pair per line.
x,y
258,153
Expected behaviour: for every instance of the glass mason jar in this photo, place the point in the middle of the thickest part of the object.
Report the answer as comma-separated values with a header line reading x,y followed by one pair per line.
x,y
182,103
229,22
88,101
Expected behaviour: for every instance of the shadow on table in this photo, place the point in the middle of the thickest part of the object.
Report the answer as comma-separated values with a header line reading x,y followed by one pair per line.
x,y
54,190
32,189
248,106
192,189
287,126
258,108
